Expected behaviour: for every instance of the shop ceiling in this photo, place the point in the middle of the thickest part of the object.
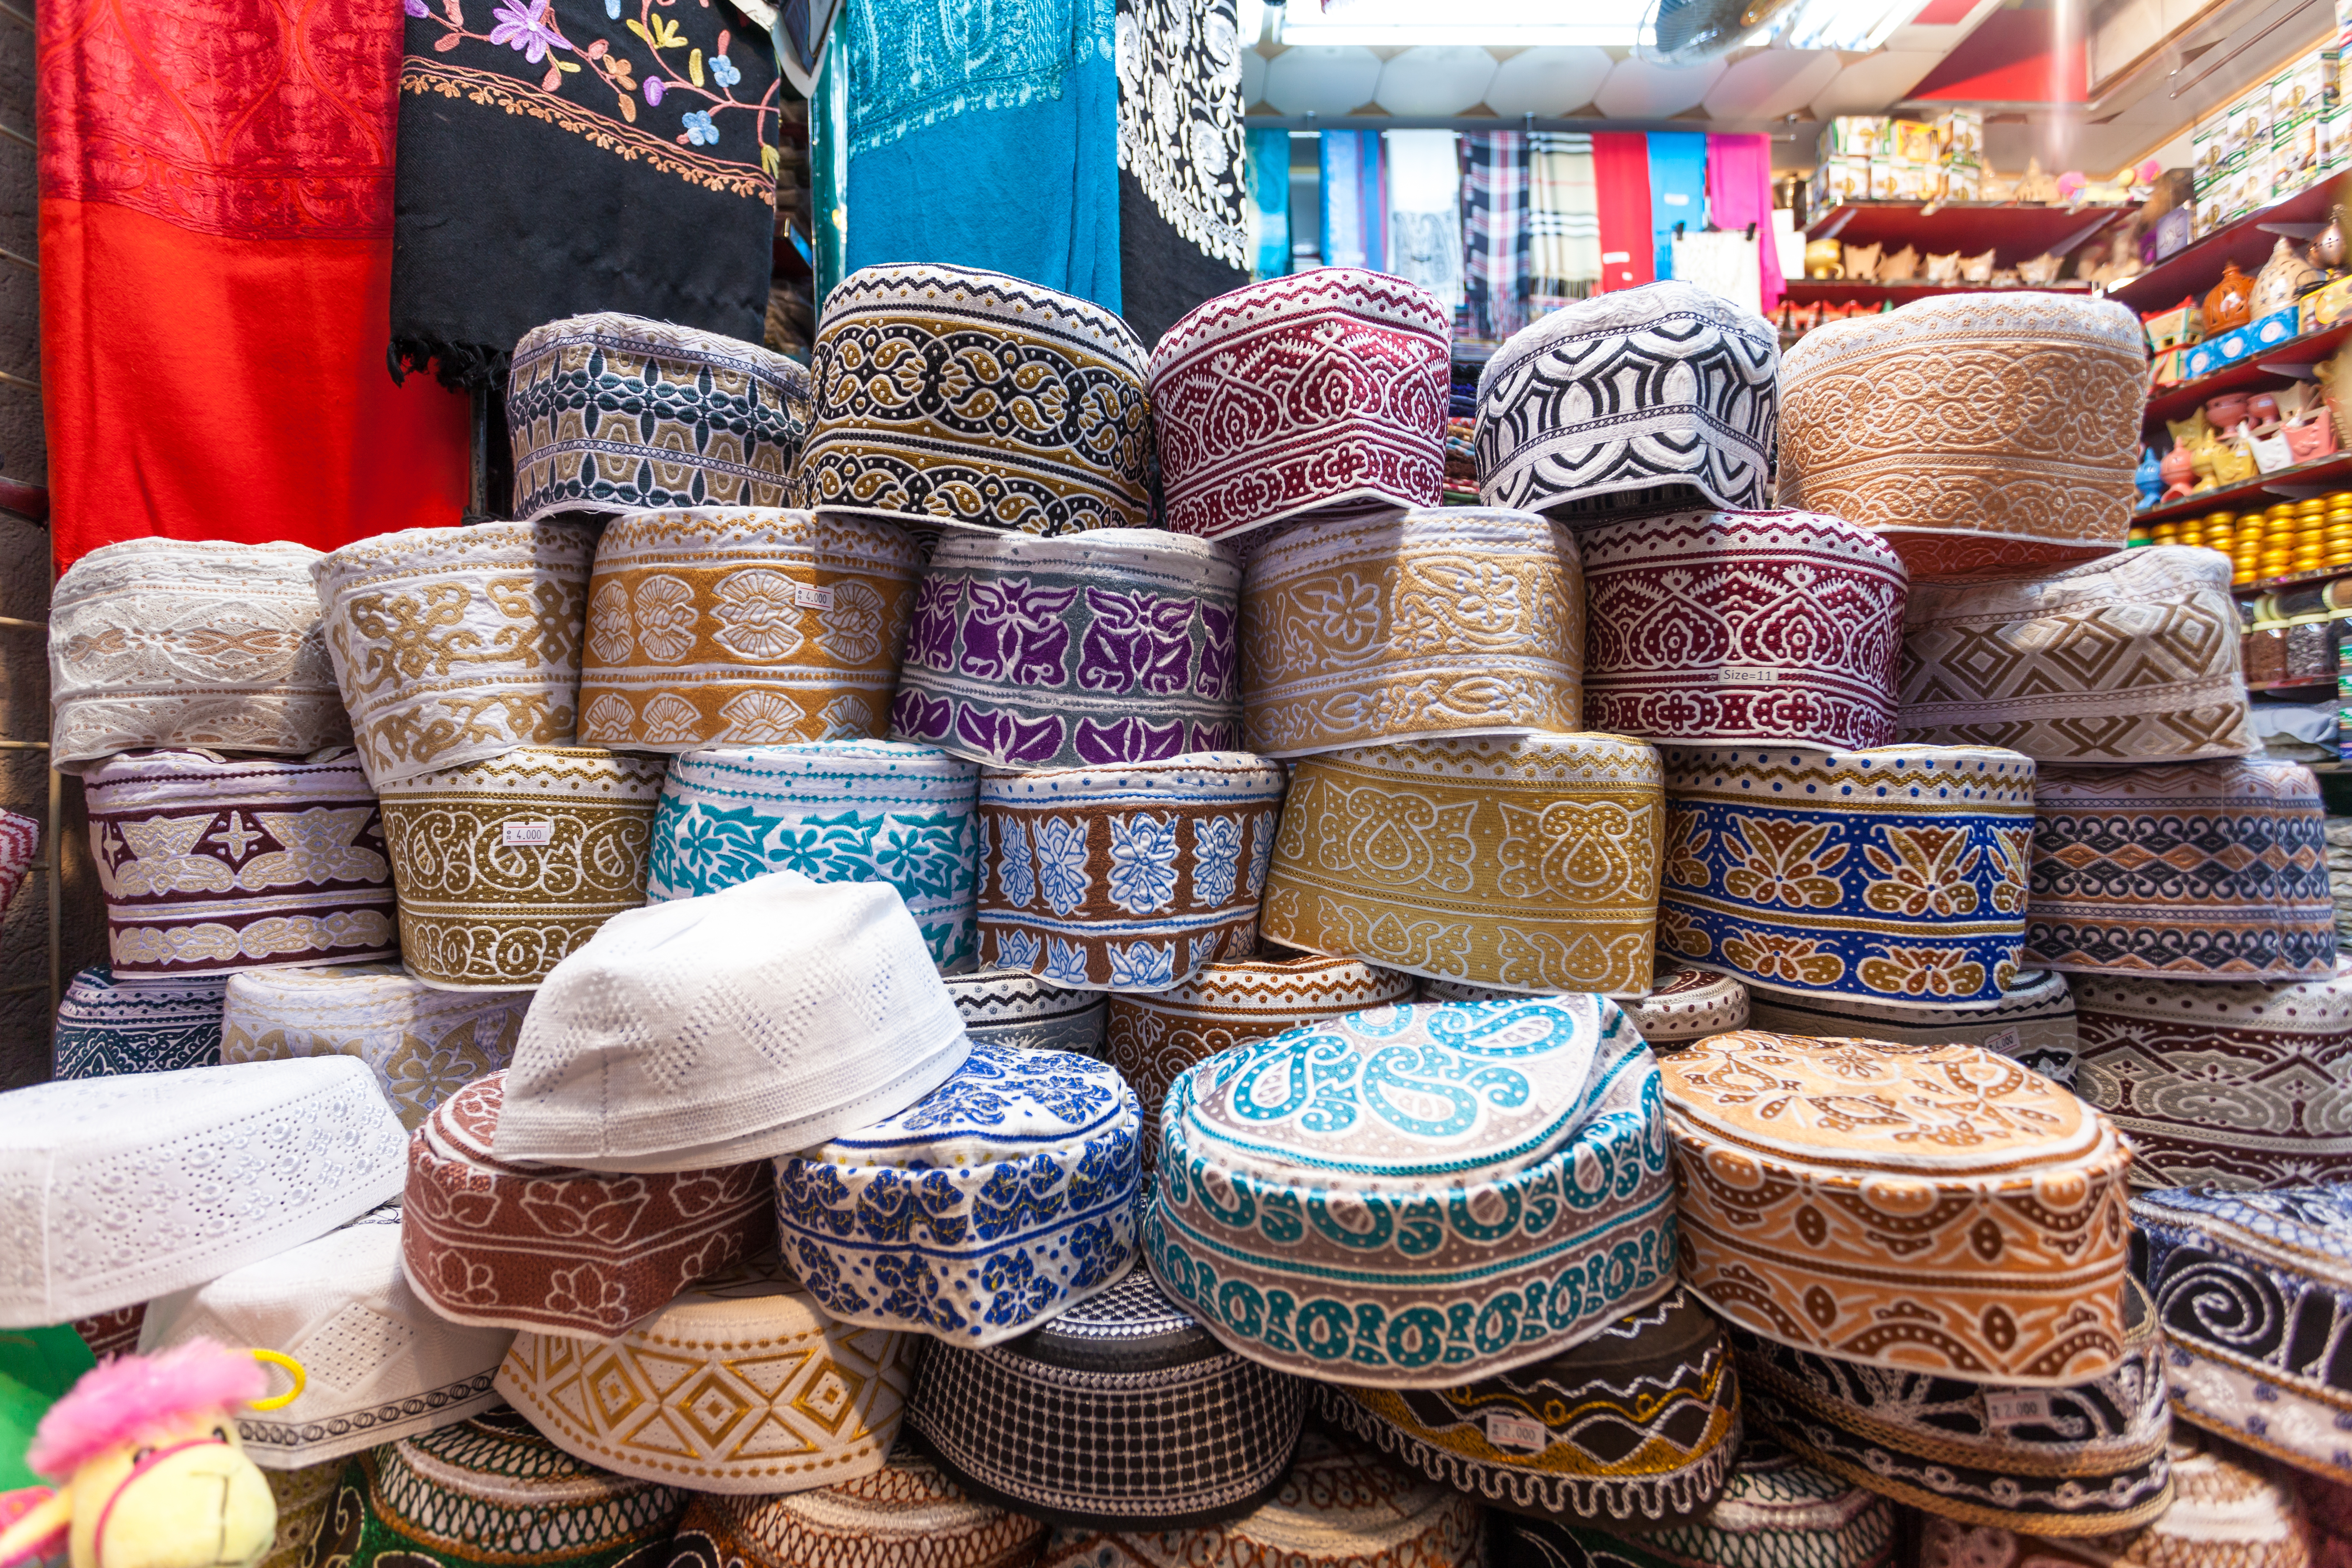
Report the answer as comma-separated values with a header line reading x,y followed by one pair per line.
x,y
2131,75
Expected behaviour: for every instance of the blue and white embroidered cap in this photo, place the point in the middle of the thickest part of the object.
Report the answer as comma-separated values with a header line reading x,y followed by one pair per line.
x,y
106,1027
1420,1195
740,1025
834,811
1007,1195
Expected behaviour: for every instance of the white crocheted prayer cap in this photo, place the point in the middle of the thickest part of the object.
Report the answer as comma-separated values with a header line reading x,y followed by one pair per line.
x,y
378,1363
759,1020
114,1190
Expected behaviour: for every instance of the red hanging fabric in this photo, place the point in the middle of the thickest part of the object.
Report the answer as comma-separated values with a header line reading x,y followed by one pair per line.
x,y
1621,180
215,278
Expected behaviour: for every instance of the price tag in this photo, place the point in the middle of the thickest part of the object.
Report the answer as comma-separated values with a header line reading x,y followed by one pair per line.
x,y
1505,1430
1751,675
1677,198
2016,1406
1615,256
2005,1043
808,596
526,834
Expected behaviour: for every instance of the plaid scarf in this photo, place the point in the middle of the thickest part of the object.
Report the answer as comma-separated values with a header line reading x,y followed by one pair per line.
x,y
1563,216
1494,232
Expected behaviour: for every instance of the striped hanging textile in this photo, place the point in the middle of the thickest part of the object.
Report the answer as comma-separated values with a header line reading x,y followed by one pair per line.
x,y
1563,220
1494,232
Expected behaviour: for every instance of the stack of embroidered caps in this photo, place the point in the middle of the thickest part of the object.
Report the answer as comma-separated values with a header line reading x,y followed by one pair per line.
x,y
1921,1252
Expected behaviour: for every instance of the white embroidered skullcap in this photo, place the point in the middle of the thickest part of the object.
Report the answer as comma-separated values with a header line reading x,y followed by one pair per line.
x,y
756,1021
114,1190
378,1363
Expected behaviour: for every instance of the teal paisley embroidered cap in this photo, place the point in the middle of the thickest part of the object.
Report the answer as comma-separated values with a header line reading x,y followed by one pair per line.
x,y
834,811
1420,1195
1004,1196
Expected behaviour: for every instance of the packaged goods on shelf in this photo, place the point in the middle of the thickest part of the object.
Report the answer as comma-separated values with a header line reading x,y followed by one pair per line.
x,y
2299,95
1838,180
1854,136
1961,135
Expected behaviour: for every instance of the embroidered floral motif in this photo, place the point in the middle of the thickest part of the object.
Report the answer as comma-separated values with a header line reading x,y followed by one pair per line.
x,y
1062,862
1924,870
1143,864
1784,862
1923,971
1798,960
756,614
665,619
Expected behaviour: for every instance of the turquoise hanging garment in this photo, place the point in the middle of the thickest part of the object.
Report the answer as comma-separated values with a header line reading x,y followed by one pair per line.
x,y
1677,190
985,134
1269,183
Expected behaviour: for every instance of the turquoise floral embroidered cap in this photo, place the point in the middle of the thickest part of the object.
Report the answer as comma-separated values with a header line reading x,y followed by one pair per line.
x,y
1418,1196
743,1023
1006,1196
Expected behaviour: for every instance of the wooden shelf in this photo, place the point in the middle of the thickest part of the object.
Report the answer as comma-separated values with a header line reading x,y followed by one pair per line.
x,y
2329,684
2193,271
2175,402
2292,580
2013,234
1811,291
2335,467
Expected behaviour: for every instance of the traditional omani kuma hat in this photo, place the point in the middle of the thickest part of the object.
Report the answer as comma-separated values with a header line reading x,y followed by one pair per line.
x,y
2088,1459
2254,1294
452,644
743,626
561,1251
491,1489
2034,1023
1683,1005
2192,870
1154,1036
1338,1507
1121,1413
2222,1085
1391,1278
1974,1226
1113,647
20,841
1127,878
424,1045
105,1028
1637,400
114,1190
1776,1511
1914,423
1894,876
615,412
170,642
1013,1007
1762,627
2132,657
750,1023
1006,1196
1635,1429
1319,395
1052,437
303,1498
2225,1514
506,866
905,1513
1454,621
211,864
740,1385
378,1364
1454,888
834,811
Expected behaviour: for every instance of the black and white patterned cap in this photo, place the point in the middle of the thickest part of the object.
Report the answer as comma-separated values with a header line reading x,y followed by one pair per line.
x,y
1639,400
1121,1413
1013,1007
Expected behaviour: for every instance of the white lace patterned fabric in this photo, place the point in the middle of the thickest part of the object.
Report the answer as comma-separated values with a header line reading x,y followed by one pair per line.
x,y
378,1364
742,1024
114,1190
169,642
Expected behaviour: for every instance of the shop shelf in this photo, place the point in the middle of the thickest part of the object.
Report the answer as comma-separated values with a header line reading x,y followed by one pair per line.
x,y
2333,471
2190,272
2013,234
1809,290
2292,580
2271,364
2329,684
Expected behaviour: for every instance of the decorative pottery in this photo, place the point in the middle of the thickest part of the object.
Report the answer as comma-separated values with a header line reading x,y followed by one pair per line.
x,y
2148,477
2328,251
2227,412
2230,302
2262,410
2179,473
2310,438
2285,278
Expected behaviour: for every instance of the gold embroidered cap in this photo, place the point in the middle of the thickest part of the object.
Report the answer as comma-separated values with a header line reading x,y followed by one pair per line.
x,y
451,645
1449,621
1934,1209
1530,864
741,1385
744,625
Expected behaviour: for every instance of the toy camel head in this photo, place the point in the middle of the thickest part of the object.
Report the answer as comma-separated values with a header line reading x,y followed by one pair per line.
x,y
150,1470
